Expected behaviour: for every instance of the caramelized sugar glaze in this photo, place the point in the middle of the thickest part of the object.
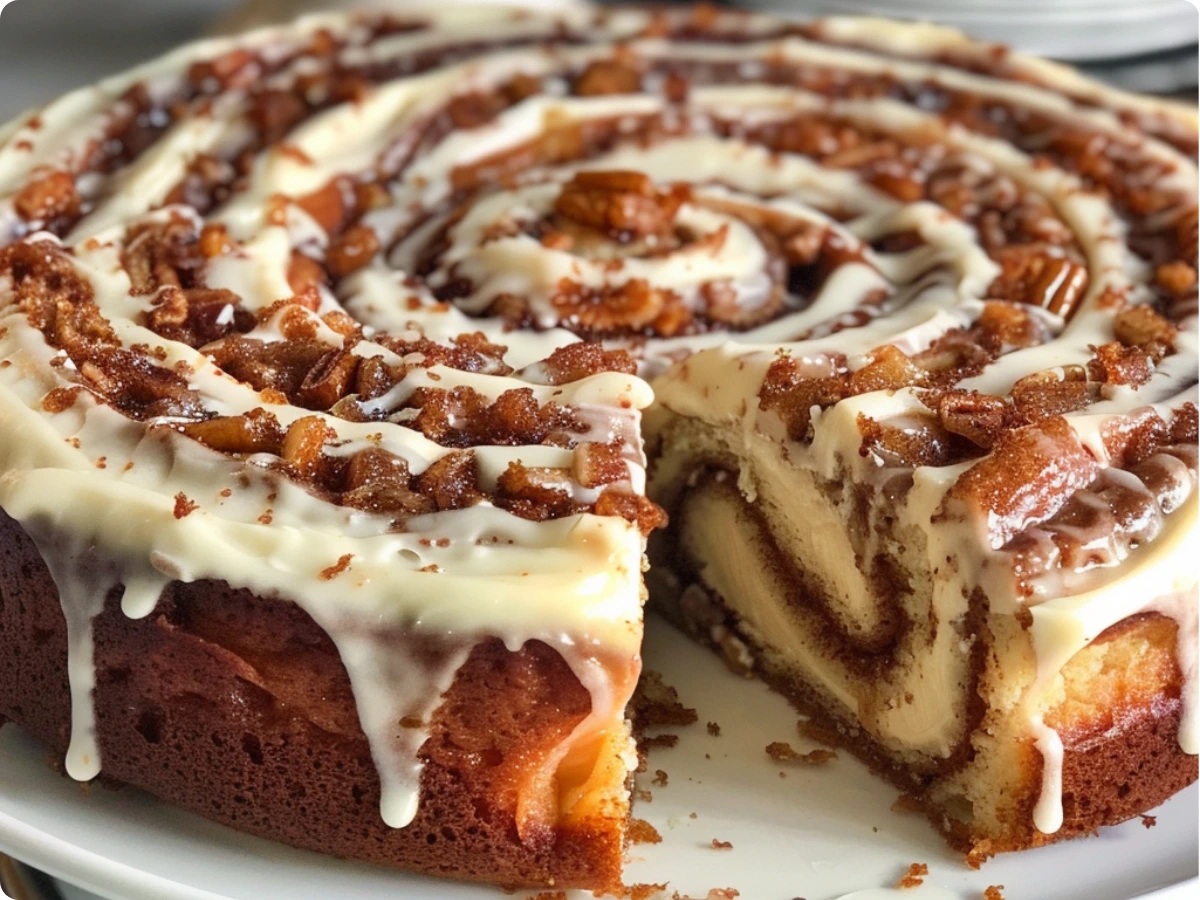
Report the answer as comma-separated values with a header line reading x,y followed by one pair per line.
x,y
344,327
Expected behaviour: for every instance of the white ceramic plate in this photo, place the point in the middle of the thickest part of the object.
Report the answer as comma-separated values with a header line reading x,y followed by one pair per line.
x,y
1066,29
818,833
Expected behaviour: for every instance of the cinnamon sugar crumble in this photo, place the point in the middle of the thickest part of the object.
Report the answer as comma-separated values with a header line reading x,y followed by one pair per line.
x,y
714,729
660,778
993,892
914,877
331,572
721,845
184,506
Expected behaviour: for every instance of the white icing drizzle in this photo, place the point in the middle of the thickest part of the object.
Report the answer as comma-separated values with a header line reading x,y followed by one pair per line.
x,y
1048,811
574,583
83,583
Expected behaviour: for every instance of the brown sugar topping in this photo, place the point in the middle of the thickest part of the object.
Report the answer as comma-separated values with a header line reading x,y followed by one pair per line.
x,y
184,506
625,206
342,565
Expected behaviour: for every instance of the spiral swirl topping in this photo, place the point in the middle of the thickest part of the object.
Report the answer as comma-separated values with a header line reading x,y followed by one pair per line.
x,y
367,298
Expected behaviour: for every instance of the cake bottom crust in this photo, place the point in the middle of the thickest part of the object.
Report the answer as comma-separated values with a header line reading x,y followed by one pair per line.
x,y
238,708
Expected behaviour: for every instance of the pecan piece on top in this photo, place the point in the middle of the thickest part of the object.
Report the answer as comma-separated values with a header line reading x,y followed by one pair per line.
x,y
608,76
258,431
624,205
49,197
1032,275
304,443
1141,326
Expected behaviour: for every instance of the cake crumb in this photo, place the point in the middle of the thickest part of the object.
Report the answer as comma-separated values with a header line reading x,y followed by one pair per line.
x,y
713,894
783,752
721,845
641,795
1149,821
645,891
550,895
714,729
331,572
907,803
660,740
914,877
656,703
692,815
660,778
642,832
992,892
184,506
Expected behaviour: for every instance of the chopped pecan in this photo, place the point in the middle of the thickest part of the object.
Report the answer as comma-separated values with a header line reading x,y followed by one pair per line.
x,y
258,431
889,370
624,205
379,481
1032,275
198,316
48,197
597,464
608,76
1141,326
1044,394
304,443
792,396
1115,363
1030,474
451,482
980,418
641,511
1176,277
534,492
632,306
328,206
329,380
584,358
305,275
277,365
275,113
352,250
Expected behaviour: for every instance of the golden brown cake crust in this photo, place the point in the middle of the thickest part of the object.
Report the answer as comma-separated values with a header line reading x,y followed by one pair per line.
x,y
258,731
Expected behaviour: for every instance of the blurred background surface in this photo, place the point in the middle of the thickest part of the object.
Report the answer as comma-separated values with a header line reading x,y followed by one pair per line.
x,y
50,46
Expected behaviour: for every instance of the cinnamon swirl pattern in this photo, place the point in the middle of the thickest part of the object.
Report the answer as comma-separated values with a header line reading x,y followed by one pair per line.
x,y
361,312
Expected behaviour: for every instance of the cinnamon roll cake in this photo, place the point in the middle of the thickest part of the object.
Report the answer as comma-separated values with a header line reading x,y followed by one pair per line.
x,y
347,366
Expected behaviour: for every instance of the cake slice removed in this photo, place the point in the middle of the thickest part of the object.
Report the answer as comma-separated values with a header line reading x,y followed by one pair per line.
x,y
983,630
